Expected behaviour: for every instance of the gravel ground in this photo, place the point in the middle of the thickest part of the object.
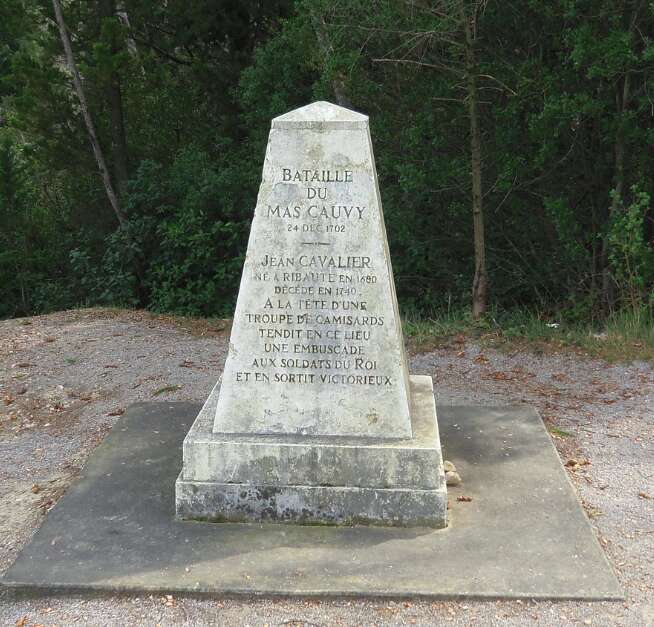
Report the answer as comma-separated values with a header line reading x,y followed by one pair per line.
x,y
65,379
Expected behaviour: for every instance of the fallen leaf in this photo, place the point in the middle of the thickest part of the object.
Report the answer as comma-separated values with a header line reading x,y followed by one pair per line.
x,y
644,495
8,399
573,463
187,363
21,622
448,466
111,366
464,499
23,364
116,412
36,488
169,601
481,359
452,479
461,354
166,388
46,506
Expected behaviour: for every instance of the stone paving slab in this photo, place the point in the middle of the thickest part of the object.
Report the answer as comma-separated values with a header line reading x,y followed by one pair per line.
x,y
523,535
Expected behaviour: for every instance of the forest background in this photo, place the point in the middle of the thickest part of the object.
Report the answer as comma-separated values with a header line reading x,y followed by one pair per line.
x,y
514,143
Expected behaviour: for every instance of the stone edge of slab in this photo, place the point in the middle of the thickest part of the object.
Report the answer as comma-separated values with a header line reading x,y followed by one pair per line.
x,y
344,461
310,505
384,483
19,589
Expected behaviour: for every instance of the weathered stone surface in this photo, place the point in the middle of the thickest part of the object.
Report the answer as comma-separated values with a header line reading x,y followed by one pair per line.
x,y
337,505
316,346
316,480
316,419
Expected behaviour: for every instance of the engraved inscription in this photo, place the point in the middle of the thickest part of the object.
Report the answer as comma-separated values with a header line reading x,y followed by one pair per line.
x,y
303,298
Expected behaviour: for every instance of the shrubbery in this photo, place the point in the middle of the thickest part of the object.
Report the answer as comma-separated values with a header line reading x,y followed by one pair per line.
x,y
564,112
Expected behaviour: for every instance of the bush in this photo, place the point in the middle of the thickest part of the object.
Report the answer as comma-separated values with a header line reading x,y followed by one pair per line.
x,y
182,248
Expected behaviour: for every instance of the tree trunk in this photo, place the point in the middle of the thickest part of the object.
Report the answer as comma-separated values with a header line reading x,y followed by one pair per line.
x,y
338,81
114,98
133,50
95,144
480,281
622,102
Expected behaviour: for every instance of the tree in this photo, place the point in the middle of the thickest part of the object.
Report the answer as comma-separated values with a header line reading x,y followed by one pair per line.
x,y
610,46
468,24
110,25
90,127
451,39
535,115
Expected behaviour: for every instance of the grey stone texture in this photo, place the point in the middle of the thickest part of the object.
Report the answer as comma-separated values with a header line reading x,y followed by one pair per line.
x,y
316,419
316,345
316,479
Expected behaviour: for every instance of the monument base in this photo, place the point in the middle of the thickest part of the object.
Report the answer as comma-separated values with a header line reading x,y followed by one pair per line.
x,y
316,480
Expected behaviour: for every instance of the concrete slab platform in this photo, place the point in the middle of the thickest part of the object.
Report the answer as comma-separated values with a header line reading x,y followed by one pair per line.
x,y
523,535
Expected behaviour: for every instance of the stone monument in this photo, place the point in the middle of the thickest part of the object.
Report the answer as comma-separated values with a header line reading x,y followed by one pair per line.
x,y
316,419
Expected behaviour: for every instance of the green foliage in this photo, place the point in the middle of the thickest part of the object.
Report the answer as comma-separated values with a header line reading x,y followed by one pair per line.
x,y
201,240
182,247
624,336
631,256
33,240
188,89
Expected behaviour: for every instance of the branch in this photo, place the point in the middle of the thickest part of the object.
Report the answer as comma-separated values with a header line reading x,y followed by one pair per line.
x,y
554,167
498,81
457,100
168,55
436,66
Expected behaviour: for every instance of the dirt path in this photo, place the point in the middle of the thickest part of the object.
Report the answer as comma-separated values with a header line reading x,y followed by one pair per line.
x,y
67,377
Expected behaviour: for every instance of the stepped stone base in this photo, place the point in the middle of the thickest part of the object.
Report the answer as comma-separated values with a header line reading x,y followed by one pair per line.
x,y
316,480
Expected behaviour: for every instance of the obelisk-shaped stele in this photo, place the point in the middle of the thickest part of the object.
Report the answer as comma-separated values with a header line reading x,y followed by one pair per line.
x,y
315,419
316,345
